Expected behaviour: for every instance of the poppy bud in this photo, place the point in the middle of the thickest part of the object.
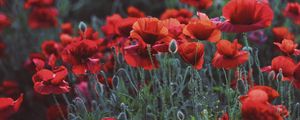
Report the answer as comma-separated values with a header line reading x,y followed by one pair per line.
x,y
271,75
180,115
82,27
173,47
279,76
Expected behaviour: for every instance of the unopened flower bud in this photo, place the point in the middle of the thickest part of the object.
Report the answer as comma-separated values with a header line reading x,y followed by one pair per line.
x,y
173,46
180,115
271,75
82,27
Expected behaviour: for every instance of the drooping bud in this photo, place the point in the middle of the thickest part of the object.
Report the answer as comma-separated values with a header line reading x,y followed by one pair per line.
x,y
82,27
180,115
173,47
279,76
271,76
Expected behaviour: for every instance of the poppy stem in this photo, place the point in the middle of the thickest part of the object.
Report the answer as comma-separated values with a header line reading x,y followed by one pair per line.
x,y
249,51
58,106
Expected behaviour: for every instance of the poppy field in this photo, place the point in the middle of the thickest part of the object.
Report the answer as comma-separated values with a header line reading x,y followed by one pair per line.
x,y
149,60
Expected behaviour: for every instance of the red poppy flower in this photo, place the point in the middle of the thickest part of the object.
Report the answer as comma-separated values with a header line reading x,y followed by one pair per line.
x,y
51,82
182,15
30,65
9,88
109,81
246,15
229,55
67,28
38,3
2,49
202,29
4,21
109,118
8,106
108,63
53,112
66,39
82,55
225,116
256,104
152,32
138,56
199,4
192,53
50,47
288,47
292,11
110,28
43,18
281,33
286,64
89,34
134,12
174,28
124,27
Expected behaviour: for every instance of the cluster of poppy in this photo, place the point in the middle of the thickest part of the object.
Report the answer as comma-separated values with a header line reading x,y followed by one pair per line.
x,y
140,39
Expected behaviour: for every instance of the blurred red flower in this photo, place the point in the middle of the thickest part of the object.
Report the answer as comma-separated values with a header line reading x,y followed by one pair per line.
x,y
2,2
44,17
83,56
53,112
199,4
202,29
288,47
134,12
108,118
281,33
2,49
67,28
124,27
8,106
256,104
292,11
38,3
89,34
286,64
108,82
51,82
66,39
50,47
225,116
10,88
4,21
192,53
110,28
246,15
182,15
229,55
